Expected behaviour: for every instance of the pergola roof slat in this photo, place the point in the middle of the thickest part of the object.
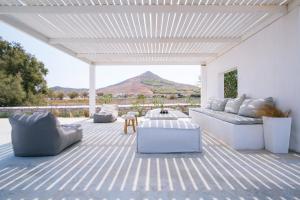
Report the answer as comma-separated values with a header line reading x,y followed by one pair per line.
x,y
111,9
139,31
146,40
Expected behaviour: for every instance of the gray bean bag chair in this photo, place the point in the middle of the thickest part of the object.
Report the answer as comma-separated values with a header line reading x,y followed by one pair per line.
x,y
40,134
107,114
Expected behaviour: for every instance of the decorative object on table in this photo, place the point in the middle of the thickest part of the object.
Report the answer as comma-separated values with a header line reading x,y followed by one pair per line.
x,y
171,115
40,134
162,109
129,121
277,128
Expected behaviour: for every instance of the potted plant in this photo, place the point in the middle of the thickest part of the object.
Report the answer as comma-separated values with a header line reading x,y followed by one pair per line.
x,y
277,128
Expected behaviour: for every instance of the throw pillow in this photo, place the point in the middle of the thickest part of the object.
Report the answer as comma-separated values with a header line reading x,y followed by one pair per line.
x,y
233,105
250,107
218,104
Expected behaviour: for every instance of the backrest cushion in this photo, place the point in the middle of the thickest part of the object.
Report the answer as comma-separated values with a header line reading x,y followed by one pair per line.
x,y
208,104
218,104
250,107
233,105
109,107
28,120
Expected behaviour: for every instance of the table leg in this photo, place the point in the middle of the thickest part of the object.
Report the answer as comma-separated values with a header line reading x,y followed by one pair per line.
x,y
125,126
133,125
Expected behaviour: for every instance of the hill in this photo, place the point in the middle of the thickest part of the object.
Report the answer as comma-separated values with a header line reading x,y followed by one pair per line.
x,y
66,90
147,83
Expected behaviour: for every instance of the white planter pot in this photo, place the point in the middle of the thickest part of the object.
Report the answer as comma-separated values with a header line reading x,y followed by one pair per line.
x,y
277,134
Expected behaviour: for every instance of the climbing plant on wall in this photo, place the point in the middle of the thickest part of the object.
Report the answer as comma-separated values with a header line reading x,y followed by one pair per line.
x,y
231,84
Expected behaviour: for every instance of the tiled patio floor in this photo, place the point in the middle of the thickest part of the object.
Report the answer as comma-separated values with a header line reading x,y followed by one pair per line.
x,y
105,166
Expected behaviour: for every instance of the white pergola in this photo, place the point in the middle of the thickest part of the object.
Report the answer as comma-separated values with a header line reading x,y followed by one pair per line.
x,y
142,32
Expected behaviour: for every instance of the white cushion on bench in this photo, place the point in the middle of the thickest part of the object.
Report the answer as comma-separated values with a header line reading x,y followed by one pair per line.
x,y
229,117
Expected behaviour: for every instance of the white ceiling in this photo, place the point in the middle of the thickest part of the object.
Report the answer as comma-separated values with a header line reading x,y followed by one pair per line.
x,y
142,32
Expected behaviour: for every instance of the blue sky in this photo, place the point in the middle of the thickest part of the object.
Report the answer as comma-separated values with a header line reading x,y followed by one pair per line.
x,y
67,71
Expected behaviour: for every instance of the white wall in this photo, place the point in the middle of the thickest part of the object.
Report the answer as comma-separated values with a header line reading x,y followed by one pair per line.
x,y
268,64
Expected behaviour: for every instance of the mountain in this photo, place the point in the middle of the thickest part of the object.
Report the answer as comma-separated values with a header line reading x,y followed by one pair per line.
x,y
66,90
147,83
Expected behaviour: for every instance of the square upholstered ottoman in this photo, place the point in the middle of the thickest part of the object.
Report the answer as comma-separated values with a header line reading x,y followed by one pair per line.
x,y
168,136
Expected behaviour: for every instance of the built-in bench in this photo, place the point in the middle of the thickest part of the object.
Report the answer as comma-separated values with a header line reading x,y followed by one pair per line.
x,y
237,131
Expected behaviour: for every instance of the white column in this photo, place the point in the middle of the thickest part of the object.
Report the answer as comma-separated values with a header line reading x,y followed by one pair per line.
x,y
92,90
203,85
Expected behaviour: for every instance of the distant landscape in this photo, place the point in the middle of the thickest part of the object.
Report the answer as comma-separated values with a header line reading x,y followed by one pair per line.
x,y
148,84
23,84
146,88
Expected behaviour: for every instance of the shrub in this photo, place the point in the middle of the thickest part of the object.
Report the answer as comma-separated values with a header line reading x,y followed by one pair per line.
x,y
4,115
73,95
172,97
86,113
56,112
60,95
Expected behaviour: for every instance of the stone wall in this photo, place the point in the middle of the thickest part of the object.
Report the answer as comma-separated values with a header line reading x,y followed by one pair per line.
x,y
76,111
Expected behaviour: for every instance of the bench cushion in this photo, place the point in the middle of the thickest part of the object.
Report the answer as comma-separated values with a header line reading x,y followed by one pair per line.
x,y
174,124
229,117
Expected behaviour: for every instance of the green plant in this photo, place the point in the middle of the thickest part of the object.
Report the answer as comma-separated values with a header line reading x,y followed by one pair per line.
x,y
106,99
157,101
60,95
25,74
51,94
4,114
141,98
172,97
231,84
11,91
73,95
56,112
137,107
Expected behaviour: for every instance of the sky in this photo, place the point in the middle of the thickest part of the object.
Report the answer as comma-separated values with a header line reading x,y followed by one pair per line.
x,y
67,71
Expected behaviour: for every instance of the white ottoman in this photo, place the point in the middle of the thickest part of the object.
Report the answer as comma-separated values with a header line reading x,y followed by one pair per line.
x,y
168,136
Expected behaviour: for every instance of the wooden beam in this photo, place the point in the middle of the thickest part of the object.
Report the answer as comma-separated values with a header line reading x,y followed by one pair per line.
x,y
141,40
109,9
